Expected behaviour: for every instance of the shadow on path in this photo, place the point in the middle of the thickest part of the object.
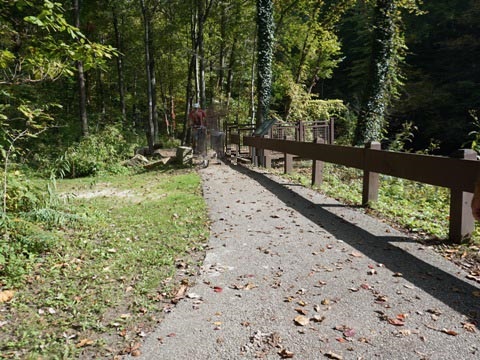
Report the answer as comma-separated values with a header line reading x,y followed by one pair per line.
x,y
452,291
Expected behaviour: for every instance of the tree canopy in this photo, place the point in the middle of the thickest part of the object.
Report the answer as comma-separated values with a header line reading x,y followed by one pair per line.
x,y
144,62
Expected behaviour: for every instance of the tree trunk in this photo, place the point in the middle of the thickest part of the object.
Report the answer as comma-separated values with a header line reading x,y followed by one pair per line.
x,y
201,52
222,54
153,84
231,64
265,55
121,81
371,121
82,92
252,84
150,130
189,95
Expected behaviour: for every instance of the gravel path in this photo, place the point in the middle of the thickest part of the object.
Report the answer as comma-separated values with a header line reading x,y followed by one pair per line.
x,y
291,273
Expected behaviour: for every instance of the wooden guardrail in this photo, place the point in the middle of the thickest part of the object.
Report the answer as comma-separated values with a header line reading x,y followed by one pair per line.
x,y
458,173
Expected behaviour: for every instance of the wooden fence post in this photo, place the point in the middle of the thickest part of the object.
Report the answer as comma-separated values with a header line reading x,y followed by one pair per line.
x,y
331,129
317,166
370,179
301,131
462,223
288,161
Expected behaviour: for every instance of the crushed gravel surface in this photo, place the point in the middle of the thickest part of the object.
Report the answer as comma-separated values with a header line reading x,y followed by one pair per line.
x,y
290,273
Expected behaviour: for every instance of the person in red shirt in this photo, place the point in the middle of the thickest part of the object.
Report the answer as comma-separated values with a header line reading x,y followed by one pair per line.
x,y
199,131
197,116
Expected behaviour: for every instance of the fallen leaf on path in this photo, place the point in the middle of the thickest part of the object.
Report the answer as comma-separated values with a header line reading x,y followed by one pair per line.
x,y
395,322
450,332
332,355
193,296
434,311
250,286
404,332
285,354
469,327
318,318
180,293
136,353
301,320
301,311
473,277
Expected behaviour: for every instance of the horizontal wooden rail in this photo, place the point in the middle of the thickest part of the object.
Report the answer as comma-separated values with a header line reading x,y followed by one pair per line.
x,y
459,173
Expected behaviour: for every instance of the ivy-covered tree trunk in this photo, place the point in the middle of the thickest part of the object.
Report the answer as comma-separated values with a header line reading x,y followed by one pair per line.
x,y
383,67
265,55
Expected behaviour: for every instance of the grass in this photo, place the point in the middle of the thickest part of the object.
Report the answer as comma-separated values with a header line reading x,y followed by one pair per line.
x,y
107,277
121,247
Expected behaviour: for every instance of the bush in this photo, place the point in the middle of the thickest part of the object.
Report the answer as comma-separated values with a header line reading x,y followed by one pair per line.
x,y
21,195
93,154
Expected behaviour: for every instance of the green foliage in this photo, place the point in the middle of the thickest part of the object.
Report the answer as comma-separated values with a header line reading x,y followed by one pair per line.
x,y
22,243
304,106
93,272
96,153
307,48
475,134
380,87
403,137
22,194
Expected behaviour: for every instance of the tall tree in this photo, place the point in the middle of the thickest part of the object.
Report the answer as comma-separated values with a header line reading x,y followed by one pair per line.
x,y
82,92
383,64
265,26
152,122
120,48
